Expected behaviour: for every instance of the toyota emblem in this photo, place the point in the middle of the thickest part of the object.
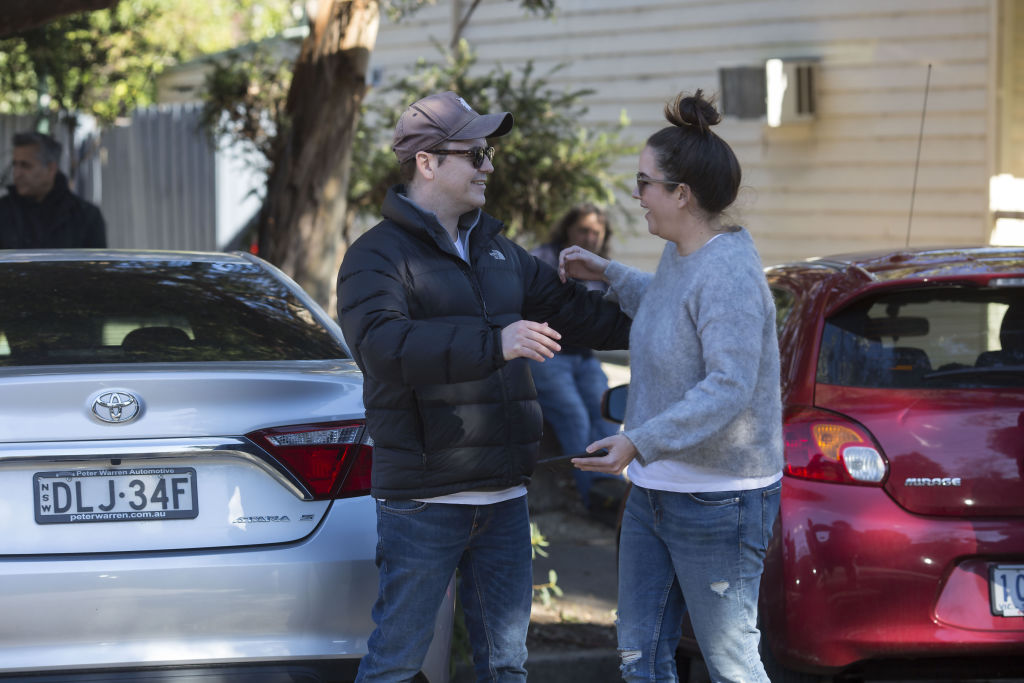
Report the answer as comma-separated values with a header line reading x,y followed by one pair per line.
x,y
116,406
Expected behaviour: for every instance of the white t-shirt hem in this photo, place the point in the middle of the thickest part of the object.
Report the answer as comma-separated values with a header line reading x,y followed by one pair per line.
x,y
477,497
672,475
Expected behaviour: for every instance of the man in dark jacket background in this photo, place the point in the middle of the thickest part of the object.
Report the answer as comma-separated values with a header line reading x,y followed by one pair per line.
x,y
39,210
442,313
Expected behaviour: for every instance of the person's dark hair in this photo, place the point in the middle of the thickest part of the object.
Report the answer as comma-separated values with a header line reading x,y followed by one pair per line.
x,y
560,233
688,151
407,170
48,148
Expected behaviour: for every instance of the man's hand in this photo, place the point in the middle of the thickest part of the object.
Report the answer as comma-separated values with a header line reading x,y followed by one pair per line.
x,y
527,339
621,452
580,264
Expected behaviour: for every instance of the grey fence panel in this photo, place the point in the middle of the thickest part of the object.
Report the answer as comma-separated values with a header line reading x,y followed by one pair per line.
x,y
119,186
159,181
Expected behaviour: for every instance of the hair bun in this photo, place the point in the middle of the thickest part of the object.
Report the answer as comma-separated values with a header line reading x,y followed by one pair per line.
x,y
693,110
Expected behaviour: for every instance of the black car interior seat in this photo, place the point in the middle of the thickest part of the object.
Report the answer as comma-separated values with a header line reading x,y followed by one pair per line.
x,y
153,343
908,365
1011,339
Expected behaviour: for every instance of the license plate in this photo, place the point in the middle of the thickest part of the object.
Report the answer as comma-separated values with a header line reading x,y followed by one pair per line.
x,y
1007,590
115,495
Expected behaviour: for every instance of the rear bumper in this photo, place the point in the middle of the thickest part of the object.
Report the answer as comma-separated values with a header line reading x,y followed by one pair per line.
x,y
314,671
851,576
270,605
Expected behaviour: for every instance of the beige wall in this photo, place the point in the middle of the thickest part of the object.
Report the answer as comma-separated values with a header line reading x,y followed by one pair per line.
x,y
1011,148
840,183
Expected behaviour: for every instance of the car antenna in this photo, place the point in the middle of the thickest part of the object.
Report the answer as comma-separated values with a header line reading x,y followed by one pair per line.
x,y
917,162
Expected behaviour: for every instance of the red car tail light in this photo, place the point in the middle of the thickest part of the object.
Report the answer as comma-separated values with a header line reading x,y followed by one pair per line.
x,y
827,447
332,459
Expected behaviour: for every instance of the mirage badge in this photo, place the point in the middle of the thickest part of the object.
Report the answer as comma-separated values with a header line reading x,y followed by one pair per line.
x,y
932,481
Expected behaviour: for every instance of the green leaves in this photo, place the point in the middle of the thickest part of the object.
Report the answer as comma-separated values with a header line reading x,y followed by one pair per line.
x,y
105,62
245,100
537,541
543,591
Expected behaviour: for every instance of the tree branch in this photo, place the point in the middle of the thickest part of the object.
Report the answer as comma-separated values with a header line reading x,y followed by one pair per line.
x,y
21,15
457,36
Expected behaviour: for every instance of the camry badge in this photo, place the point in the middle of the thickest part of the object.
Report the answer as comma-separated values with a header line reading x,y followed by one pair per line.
x,y
116,406
252,519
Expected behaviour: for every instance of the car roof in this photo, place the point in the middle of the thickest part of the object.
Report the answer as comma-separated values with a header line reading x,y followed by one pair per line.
x,y
934,262
22,255
900,264
843,277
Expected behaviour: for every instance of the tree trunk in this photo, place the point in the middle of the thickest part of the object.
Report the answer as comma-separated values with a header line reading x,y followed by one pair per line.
x,y
301,220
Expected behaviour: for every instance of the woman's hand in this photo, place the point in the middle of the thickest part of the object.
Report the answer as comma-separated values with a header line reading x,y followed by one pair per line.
x,y
621,452
580,264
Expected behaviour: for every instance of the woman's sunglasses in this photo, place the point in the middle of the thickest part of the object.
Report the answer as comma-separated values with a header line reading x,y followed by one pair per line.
x,y
476,154
642,181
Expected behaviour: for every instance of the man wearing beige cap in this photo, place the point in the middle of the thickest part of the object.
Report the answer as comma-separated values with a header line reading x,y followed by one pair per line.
x,y
442,313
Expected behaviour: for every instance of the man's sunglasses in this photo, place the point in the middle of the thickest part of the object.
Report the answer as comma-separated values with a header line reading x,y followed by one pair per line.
x,y
642,181
477,154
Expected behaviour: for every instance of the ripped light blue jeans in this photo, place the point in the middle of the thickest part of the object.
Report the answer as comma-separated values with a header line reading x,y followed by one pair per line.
x,y
701,553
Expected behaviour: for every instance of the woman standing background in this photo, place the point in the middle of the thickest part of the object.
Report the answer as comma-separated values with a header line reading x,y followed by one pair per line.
x,y
703,429
570,385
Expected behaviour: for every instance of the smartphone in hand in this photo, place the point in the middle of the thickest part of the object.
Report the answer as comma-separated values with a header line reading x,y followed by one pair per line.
x,y
600,452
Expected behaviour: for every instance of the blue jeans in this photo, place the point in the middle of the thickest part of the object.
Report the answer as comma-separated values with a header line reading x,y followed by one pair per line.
x,y
419,547
696,552
569,390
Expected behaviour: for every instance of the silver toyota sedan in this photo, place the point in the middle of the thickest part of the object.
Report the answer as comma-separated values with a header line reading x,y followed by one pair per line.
x,y
184,472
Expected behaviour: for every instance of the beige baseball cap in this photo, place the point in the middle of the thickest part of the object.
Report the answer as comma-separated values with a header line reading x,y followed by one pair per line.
x,y
442,117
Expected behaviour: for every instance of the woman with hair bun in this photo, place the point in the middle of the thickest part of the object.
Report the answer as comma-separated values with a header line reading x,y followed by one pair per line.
x,y
702,435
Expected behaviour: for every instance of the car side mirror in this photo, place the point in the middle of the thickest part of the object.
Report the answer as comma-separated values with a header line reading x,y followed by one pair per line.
x,y
613,403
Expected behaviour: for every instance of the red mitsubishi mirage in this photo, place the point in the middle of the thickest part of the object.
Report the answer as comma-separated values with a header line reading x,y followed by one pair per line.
x,y
900,542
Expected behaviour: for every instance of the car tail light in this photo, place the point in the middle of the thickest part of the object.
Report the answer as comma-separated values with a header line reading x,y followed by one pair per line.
x,y
828,447
332,460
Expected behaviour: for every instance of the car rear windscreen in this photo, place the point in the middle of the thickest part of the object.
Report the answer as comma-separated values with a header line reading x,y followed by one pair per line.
x,y
75,312
941,337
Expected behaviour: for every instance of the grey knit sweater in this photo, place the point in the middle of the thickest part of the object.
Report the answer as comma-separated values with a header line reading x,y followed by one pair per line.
x,y
704,359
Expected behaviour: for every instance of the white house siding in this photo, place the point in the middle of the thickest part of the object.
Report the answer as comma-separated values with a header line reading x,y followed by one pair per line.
x,y
1012,55
840,183
1007,190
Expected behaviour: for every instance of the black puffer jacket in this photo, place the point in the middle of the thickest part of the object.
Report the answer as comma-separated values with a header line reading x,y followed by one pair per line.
x,y
445,410
61,220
